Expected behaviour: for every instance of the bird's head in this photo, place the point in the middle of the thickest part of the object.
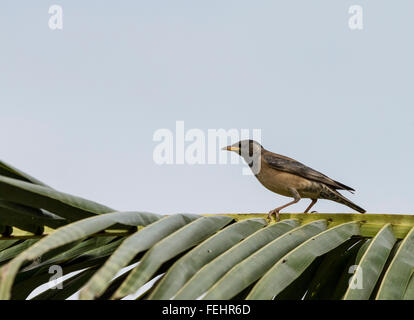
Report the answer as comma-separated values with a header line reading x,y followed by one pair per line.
x,y
248,149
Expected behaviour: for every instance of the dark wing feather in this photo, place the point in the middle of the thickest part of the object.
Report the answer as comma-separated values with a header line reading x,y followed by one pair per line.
x,y
289,165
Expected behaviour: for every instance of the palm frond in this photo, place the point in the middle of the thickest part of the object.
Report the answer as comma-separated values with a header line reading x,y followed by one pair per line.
x,y
107,254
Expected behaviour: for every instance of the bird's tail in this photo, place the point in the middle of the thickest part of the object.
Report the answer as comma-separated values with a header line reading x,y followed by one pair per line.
x,y
330,194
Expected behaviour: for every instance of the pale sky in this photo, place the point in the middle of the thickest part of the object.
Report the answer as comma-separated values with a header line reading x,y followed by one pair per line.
x,y
79,106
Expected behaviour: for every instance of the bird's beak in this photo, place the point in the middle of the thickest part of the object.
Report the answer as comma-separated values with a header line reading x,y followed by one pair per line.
x,y
230,148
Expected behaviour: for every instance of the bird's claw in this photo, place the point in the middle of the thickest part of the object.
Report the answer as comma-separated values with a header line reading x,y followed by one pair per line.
x,y
276,213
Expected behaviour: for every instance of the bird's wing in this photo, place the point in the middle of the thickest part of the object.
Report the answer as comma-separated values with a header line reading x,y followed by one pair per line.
x,y
289,165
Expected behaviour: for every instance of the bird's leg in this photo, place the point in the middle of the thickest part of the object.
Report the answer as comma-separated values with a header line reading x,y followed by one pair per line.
x,y
276,211
311,205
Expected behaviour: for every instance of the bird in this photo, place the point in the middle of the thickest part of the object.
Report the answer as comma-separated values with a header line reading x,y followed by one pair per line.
x,y
290,178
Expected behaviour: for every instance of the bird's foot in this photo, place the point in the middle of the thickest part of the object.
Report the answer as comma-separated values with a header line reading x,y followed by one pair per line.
x,y
274,212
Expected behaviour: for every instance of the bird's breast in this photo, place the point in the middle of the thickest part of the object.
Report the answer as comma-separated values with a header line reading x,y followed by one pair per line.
x,y
280,182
